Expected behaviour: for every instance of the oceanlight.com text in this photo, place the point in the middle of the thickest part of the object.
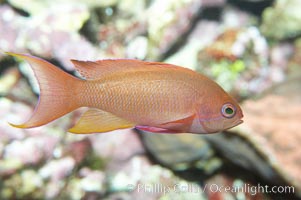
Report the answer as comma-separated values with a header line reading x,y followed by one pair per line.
x,y
212,188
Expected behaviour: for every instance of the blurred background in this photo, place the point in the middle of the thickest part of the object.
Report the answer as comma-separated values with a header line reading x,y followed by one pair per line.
x,y
252,48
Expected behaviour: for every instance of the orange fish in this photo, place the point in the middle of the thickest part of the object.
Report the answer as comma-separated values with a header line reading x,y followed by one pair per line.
x,y
124,93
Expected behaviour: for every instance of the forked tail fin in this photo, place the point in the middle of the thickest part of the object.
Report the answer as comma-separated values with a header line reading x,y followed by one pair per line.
x,y
57,90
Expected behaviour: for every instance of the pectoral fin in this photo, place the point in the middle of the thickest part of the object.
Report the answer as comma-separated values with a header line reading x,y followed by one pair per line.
x,y
155,129
98,121
177,126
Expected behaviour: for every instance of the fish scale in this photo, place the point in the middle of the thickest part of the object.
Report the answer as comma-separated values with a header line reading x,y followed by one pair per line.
x,y
125,93
142,98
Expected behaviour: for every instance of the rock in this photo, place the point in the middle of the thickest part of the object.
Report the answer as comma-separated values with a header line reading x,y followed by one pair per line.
x,y
79,150
282,21
9,133
31,150
234,17
87,183
116,152
155,183
181,152
238,61
8,80
75,190
294,62
92,181
267,143
280,55
10,23
51,31
32,182
213,3
239,152
167,21
134,8
9,166
187,55
53,189
57,170
36,7
24,185
113,35
137,48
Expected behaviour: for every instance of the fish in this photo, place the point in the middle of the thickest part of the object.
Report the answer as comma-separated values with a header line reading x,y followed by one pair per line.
x,y
127,93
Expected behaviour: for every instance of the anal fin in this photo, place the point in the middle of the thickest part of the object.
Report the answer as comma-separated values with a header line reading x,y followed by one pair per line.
x,y
98,121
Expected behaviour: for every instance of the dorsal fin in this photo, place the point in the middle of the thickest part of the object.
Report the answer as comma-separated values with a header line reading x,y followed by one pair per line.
x,y
95,70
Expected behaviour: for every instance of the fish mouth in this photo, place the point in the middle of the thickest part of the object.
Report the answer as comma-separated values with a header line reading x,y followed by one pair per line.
x,y
239,121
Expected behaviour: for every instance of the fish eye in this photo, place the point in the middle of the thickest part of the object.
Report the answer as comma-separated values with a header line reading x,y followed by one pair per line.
x,y
228,110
